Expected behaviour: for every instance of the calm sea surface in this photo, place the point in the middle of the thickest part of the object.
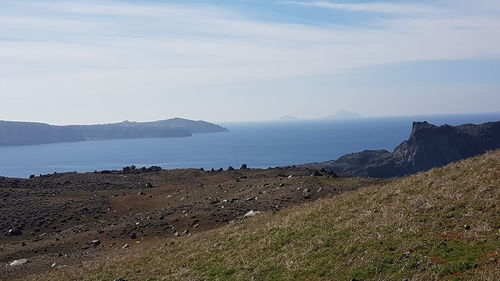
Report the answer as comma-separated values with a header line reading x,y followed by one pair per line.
x,y
256,144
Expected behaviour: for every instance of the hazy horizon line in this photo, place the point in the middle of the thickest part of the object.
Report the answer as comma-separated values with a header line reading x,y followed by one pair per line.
x,y
277,120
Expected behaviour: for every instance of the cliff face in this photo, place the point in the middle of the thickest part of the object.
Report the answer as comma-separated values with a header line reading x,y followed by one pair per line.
x,y
428,146
25,133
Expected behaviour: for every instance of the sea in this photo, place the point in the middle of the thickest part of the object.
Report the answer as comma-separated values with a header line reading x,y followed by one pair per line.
x,y
257,144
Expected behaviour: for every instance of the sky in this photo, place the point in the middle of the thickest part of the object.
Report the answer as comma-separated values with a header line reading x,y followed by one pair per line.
x,y
85,62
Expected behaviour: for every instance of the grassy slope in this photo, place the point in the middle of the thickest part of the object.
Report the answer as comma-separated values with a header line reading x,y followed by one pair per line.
x,y
443,224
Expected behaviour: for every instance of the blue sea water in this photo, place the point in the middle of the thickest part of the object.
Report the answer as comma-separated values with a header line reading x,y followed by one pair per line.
x,y
260,145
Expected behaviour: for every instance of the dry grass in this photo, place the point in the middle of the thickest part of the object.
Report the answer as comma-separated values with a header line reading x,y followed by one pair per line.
x,y
439,225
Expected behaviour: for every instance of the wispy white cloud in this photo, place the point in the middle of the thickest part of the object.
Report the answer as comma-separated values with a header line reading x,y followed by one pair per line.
x,y
99,9
372,7
145,11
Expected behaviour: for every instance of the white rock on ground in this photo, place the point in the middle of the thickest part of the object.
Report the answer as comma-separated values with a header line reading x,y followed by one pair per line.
x,y
251,213
18,262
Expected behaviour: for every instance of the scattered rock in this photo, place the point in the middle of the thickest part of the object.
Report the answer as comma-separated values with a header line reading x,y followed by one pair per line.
x,y
317,174
18,262
306,193
111,209
14,232
95,243
333,175
244,167
251,214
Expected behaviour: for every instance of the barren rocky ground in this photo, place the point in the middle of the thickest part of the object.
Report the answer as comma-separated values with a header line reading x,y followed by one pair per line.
x,y
52,221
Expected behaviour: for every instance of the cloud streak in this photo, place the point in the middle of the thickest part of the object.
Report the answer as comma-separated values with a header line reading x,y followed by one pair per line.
x,y
372,7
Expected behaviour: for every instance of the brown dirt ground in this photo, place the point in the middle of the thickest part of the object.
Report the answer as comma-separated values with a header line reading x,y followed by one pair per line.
x,y
59,215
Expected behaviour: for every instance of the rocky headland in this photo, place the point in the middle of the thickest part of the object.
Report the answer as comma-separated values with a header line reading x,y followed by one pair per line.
x,y
429,146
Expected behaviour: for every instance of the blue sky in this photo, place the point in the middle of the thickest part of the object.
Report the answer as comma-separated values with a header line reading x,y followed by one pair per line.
x,y
67,62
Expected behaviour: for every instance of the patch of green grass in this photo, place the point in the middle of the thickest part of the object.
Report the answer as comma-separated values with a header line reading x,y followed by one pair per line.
x,y
346,182
456,211
213,268
459,256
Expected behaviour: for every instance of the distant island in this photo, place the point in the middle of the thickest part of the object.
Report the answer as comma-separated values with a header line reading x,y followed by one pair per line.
x,y
288,118
343,114
339,115
429,146
28,133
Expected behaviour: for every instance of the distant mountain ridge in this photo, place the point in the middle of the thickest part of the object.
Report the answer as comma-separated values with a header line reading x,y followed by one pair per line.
x,y
342,115
429,146
26,133
288,118
339,115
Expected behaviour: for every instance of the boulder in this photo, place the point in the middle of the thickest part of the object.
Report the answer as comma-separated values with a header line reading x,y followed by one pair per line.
x,y
14,232
251,214
316,174
95,243
18,262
